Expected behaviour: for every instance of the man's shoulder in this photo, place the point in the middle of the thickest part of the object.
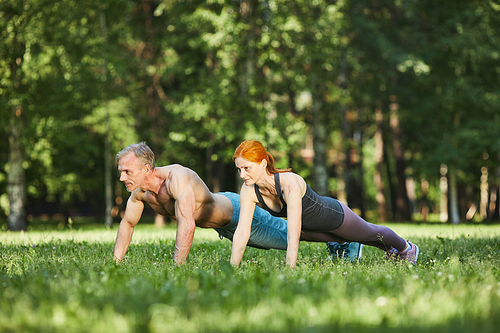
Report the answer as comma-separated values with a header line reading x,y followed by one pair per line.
x,y
137,195
175,170
177,178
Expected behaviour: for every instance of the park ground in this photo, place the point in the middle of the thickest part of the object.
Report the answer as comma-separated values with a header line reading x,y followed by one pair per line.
x,y
55,280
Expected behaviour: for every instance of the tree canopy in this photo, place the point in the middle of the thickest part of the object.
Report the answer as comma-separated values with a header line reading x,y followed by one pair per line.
x,y
308,78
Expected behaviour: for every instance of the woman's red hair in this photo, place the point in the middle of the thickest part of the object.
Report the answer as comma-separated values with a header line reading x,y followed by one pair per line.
x,y
254,151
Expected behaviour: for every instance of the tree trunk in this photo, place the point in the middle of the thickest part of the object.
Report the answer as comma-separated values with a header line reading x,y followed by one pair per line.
x,y
494,198
160,221
319,147
484,193
319,132
379,160
495,205
402,211
16,183
454,213
392,191
247,10
443,186
453,197
424,208
346,170
412,197
361,171
154,91
108,181
341,191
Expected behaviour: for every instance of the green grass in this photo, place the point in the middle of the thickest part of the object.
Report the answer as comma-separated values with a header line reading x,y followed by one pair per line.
x,y
65,281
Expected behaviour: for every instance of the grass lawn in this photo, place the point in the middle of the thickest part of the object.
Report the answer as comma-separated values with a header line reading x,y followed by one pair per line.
x,y
65,281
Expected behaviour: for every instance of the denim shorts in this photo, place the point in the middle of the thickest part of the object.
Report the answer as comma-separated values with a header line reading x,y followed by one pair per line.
x,y
268,232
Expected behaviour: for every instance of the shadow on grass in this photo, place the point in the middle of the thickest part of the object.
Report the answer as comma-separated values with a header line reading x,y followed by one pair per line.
x,y
456,325
76,223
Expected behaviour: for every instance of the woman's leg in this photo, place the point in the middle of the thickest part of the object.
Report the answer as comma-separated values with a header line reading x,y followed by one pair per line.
x,y
320,236
355,229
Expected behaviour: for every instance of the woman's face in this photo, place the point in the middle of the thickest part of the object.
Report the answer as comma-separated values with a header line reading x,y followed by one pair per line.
x,y
250,172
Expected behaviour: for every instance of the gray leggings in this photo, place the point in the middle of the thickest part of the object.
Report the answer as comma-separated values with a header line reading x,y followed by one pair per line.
x,y
355,229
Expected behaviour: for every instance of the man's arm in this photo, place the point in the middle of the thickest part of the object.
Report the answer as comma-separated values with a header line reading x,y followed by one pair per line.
x,y
183,192
133,213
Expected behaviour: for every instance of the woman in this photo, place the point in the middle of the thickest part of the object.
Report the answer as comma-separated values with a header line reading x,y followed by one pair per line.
x,y
286,194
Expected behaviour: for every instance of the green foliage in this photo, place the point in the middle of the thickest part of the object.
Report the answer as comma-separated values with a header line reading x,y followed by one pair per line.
x,y
51,55
62,281
114,119
195,78
453,97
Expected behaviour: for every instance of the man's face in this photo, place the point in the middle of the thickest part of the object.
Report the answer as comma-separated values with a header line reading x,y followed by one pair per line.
x,y
132,171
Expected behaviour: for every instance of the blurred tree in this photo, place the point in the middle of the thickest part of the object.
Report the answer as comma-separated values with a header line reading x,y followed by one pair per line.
x,y
454,76
376,47
13,95
417,81
426,65
58,74
301,44
322,60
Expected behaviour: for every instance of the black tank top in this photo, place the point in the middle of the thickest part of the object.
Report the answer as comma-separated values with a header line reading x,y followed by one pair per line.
x,y
318,213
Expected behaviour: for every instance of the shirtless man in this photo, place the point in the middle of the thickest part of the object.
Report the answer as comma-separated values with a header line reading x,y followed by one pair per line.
x,y
178,192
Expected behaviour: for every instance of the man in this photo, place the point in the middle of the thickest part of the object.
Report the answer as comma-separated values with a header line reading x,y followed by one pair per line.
x,y
178,192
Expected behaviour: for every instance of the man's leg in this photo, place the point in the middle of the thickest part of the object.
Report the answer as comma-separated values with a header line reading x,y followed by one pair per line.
x,y
267,232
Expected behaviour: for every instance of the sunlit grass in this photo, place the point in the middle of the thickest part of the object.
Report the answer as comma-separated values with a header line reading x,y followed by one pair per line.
x,y
98,235
65,281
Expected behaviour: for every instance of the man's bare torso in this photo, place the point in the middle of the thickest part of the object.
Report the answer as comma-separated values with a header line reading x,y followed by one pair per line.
x,y
211,210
